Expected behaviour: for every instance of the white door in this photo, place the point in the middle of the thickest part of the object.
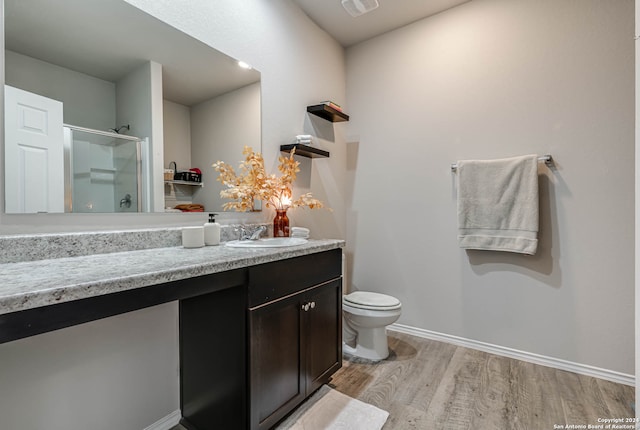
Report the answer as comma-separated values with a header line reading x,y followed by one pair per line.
x,y
34,161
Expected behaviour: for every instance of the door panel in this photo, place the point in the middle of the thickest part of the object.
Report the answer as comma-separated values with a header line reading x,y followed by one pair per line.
x,y
34,166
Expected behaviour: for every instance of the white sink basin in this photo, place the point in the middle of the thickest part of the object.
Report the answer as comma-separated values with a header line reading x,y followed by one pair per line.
x,y
271,242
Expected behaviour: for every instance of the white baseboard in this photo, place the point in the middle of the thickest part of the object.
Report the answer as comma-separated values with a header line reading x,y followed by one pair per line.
x,y
556,363
166,423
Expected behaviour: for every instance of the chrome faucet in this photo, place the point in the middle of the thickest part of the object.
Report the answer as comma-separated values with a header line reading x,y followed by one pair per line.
x,y
249,234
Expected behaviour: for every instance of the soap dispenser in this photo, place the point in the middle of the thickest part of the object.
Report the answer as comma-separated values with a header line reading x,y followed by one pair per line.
x,y
212,231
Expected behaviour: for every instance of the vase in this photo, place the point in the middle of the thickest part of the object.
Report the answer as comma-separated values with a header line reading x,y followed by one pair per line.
x,y
281,224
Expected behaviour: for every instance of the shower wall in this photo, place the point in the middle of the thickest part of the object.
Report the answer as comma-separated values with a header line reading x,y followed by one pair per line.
x,y
92,177
125,160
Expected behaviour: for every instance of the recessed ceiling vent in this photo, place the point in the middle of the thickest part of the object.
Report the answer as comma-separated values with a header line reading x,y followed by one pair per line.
x,y
359,7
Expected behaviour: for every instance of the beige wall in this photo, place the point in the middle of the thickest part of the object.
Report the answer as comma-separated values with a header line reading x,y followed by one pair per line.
x,y
88,101
490,79
177,134
115,373
220,129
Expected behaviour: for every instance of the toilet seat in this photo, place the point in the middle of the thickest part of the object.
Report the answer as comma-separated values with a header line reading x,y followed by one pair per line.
x,y
371,301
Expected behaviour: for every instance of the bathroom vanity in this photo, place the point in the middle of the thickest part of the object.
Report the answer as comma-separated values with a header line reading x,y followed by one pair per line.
x,y
260,329
255,353
295,333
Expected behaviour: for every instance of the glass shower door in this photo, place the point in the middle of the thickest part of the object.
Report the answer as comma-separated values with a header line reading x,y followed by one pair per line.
x,y
104,172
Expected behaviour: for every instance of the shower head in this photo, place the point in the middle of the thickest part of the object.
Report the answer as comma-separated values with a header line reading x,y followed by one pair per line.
x,y
359,7
117,130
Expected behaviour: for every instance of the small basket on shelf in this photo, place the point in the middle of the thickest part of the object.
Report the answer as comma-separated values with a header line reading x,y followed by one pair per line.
x,y
191,175
188,176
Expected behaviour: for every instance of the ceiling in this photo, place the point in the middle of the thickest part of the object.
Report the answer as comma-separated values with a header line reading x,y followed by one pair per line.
x,y
391,14
95,37
108,39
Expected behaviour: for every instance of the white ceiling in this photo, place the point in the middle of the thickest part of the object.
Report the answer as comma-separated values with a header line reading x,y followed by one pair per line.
x,y
391,14
108,39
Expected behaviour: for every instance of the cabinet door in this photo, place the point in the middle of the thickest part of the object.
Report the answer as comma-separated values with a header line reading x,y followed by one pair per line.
x,y
275,354
323,334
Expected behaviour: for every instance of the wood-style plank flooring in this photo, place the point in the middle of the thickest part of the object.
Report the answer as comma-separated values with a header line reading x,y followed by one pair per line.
x,y
426,384
430,385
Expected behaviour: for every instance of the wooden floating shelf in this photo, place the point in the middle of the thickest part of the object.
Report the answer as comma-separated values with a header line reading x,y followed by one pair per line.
x,y
305,151
327,112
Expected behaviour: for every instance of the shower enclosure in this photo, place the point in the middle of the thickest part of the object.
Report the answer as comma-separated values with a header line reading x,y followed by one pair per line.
x,y
103,171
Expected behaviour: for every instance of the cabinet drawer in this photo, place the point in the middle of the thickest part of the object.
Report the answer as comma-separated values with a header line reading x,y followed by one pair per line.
x,y
271,281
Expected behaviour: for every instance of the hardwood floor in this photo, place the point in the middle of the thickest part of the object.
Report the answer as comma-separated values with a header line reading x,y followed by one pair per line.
x,y
426,384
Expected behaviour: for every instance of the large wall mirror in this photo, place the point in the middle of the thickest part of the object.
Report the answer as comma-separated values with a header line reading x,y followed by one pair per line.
x,y
101,99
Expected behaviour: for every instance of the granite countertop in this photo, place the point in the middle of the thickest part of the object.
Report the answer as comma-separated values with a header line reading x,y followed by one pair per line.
x,y
32,284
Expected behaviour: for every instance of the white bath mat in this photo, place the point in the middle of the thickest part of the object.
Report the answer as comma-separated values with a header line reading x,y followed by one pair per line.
x,y
329,409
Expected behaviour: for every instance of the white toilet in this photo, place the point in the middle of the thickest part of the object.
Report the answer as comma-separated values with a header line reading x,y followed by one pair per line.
x,y
365,318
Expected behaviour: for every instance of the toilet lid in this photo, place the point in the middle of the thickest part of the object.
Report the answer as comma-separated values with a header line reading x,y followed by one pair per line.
x,y
371,300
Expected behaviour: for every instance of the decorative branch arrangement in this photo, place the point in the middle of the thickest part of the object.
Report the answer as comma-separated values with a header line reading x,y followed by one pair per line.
x,y
253,183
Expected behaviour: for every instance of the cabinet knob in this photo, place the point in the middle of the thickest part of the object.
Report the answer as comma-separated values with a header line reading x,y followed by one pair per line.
x,y
309,305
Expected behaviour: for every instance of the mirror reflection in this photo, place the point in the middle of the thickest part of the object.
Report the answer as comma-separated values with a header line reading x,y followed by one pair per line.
x,y
108,109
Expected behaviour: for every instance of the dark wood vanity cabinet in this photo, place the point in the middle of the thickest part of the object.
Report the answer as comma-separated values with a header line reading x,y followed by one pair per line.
x,y
250,354
295,338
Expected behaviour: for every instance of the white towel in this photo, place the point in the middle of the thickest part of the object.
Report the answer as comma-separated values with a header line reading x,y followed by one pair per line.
x,y
301,232
498,204
304,139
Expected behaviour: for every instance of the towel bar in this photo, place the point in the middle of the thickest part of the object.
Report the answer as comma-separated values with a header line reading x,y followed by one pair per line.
x,y
546,159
